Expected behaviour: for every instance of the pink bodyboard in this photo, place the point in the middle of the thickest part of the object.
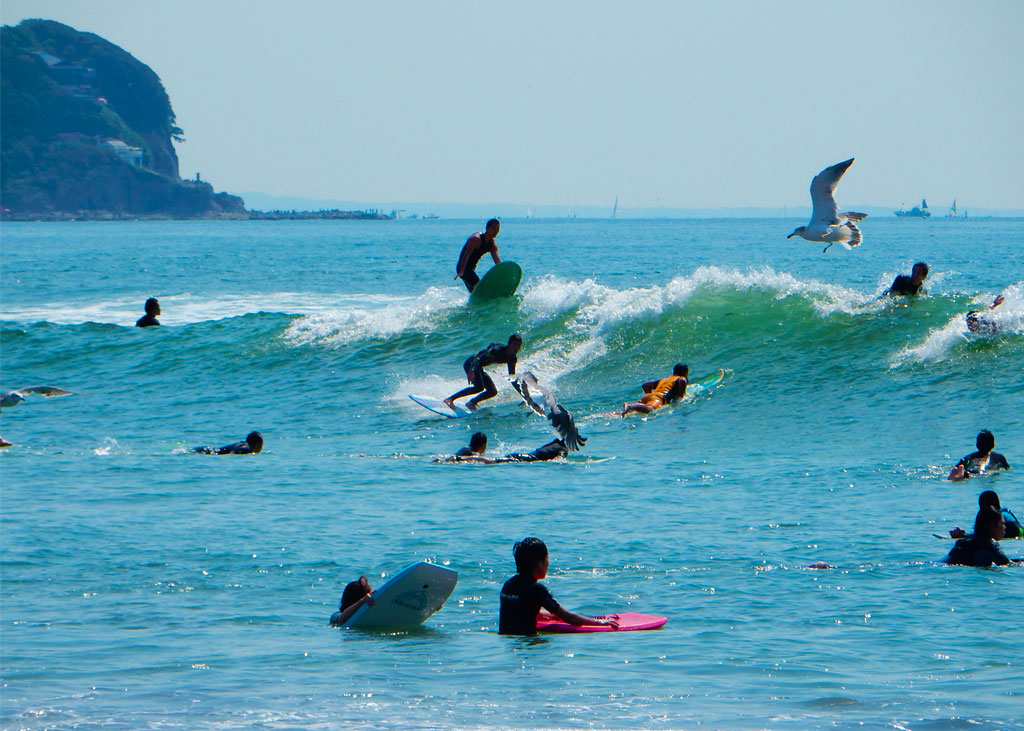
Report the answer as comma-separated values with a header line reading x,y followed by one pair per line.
x,y
627,621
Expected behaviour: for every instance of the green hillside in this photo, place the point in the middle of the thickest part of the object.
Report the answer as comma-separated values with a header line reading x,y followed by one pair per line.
x,y
86,131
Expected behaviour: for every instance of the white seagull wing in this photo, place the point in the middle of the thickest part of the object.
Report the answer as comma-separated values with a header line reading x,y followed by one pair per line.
x,y
823,188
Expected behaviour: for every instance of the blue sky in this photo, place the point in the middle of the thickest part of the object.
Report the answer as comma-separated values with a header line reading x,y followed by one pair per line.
x,y
679,104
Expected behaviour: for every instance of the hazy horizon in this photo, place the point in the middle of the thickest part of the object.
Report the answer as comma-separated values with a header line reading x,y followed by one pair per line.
x,y
665,106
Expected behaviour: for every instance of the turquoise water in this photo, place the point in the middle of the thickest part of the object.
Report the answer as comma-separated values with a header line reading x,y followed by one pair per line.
x,y
144,587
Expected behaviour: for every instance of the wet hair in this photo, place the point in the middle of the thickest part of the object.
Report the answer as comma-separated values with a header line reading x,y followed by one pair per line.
x,y
152,304
986,519
517,337
989,499
354,591
985,442
492,222
479,439
921,265
681,369
528,552
255,440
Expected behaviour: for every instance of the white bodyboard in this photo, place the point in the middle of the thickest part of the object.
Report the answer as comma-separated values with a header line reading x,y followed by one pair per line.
x,y
408,598
438,406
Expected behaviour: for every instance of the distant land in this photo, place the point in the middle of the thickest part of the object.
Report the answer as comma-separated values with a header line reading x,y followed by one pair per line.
x,y
420,209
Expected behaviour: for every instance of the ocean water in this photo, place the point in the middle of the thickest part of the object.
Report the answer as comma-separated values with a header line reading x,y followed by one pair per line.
x,y
147,587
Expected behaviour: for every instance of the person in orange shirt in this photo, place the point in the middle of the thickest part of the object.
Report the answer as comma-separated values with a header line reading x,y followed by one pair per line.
x,y
661,392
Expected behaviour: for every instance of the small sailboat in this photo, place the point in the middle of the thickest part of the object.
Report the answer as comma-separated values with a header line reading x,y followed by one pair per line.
x,y
915,212
615,208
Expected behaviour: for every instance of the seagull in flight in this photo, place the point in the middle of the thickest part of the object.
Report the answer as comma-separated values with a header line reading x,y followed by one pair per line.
x,y
826,223
13,398
555,412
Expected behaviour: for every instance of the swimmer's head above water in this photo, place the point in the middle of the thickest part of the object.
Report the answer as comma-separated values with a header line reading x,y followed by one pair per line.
x,y
681,369
985,442
478,443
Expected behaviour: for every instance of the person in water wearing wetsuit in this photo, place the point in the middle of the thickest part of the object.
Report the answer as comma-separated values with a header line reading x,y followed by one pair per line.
x,y
478,445
253,444
989,499
152,307
475,247
480,381
904,285
356,594
982,461
523,596
981,548
976,321
661,392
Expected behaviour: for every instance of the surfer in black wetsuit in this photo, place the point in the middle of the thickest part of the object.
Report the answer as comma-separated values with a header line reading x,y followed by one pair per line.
x,y
475,247
982,461
480,381
356,594
478,445
989,499
523,596
253,444
152,307
978,323
981,548
903,285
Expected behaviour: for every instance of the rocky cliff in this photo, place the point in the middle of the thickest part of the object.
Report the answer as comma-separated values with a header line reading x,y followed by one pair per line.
x,y
86,131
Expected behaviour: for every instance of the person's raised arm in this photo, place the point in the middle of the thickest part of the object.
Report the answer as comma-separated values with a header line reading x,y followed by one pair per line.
x,y
349,611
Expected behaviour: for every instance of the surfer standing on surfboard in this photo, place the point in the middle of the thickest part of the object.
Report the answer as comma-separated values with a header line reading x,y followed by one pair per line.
x,y
475,247
480,381
661,392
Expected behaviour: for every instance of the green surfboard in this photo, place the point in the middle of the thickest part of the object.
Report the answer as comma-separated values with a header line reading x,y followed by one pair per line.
x,y
500,281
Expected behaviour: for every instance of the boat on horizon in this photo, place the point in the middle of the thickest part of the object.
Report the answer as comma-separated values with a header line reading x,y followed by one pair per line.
x,y
915,212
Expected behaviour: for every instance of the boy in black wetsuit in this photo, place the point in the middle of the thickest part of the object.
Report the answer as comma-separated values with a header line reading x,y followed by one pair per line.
x,y
523,596
982,461
480,381
904,285
989,498
478,445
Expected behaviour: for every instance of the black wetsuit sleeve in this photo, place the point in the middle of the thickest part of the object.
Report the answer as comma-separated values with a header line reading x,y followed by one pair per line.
x,y
236,448
544,598
464,452
998,462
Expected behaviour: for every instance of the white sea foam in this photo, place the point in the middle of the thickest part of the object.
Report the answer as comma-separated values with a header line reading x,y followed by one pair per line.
x,y
379,318
185,309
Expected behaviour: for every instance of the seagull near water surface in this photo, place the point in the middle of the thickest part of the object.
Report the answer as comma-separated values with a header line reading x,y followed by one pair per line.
x,y
13,398
827,224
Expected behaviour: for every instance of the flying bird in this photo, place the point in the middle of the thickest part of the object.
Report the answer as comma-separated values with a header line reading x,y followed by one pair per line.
x,y
13,398
555,412
826,223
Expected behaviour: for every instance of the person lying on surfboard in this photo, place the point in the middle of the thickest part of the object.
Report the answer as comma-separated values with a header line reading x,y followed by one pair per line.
x,y
475,247
523,596
980,462
978,323
478,445
253,444
356,594
661,392
480,381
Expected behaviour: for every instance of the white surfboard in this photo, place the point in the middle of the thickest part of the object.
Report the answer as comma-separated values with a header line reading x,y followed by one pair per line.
x,y
408,598
438,406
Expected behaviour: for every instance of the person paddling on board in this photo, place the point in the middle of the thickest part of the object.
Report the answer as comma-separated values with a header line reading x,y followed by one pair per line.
x,y
152,307
523,596
253,444
980,462
480,381
903,285
976,321
989,499
661,392
475,247
478,445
